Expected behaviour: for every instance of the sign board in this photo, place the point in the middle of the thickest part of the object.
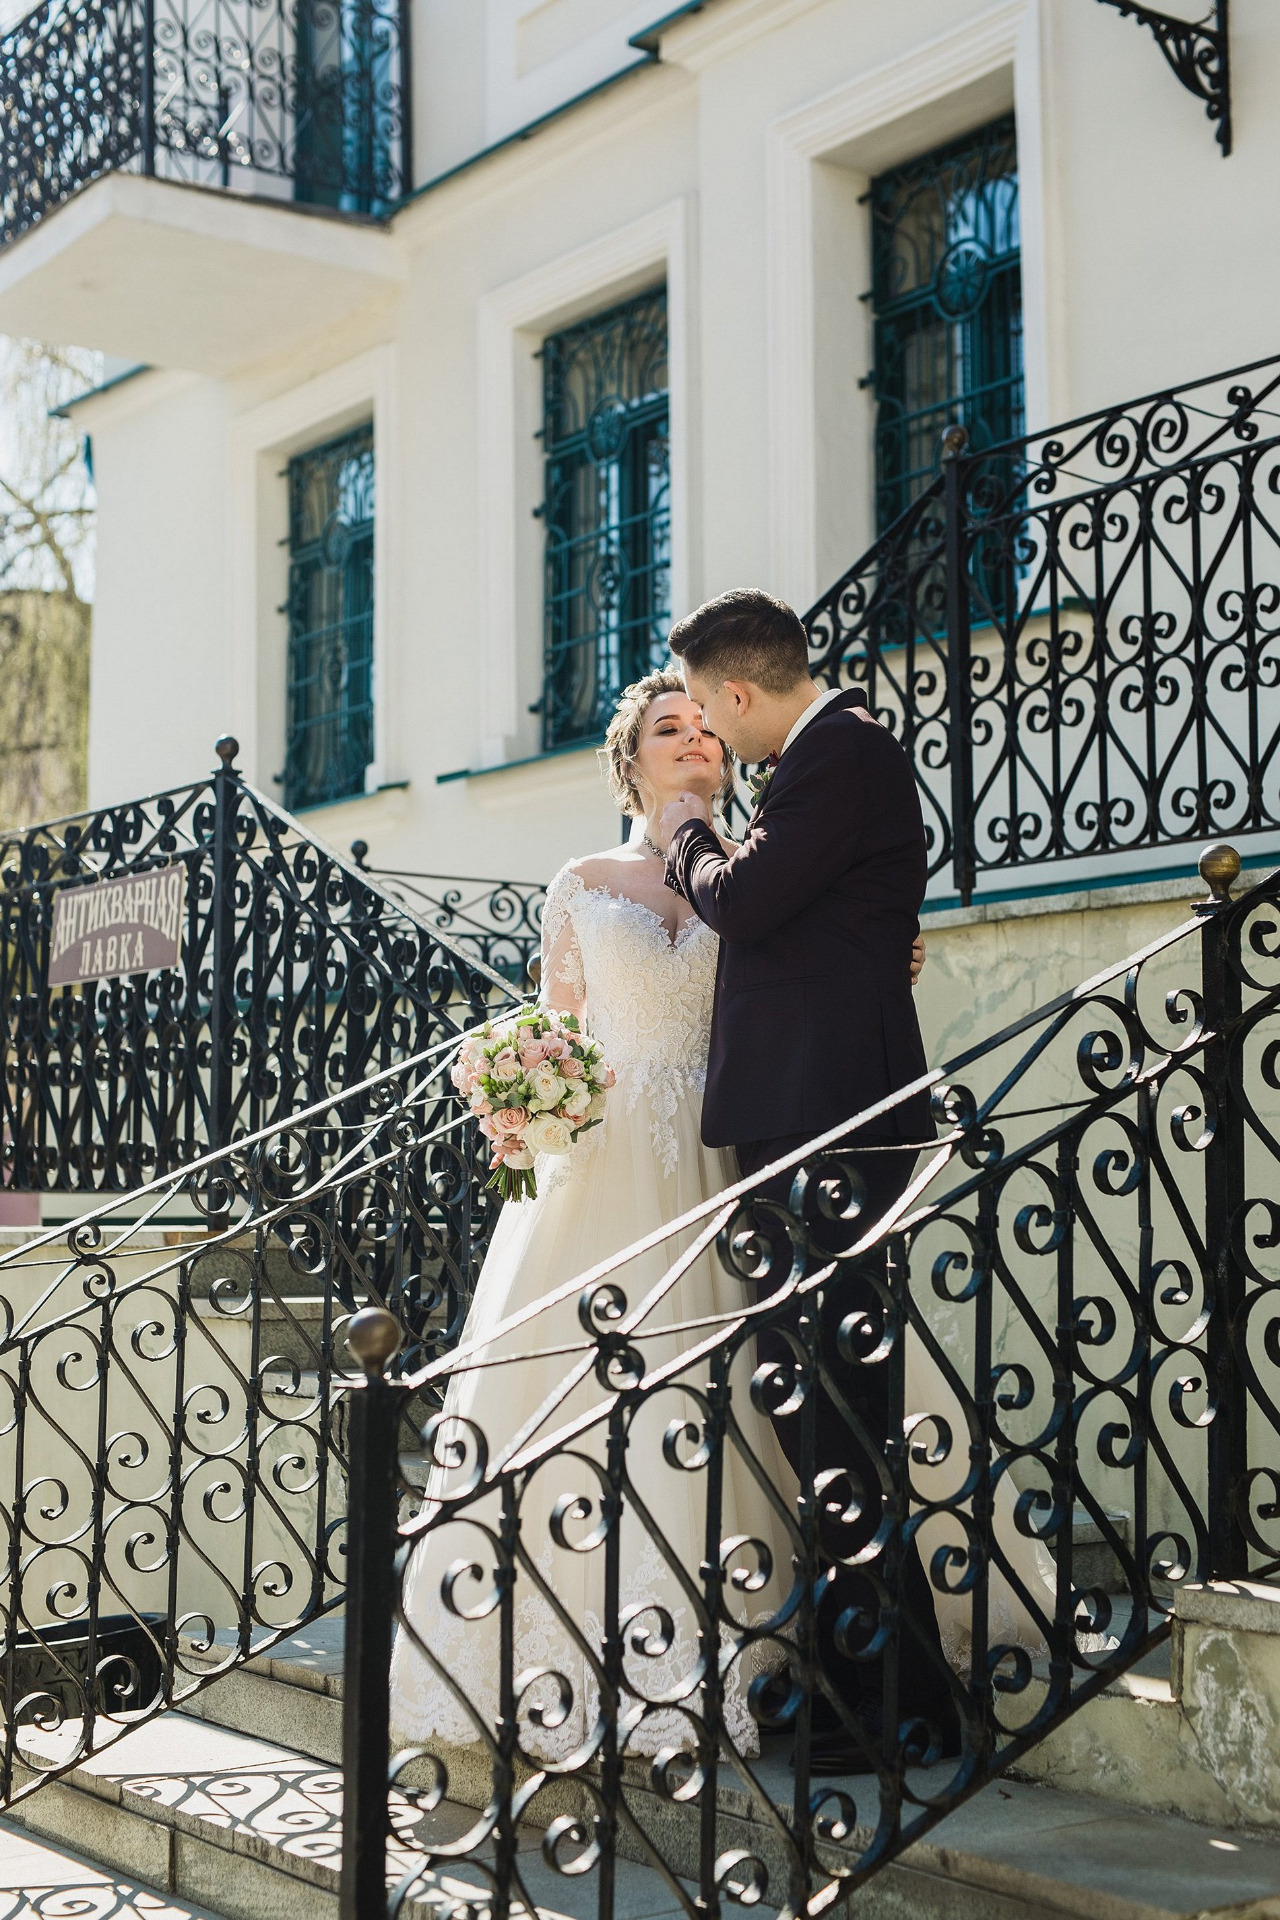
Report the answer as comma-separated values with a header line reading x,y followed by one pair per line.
x,y
114,927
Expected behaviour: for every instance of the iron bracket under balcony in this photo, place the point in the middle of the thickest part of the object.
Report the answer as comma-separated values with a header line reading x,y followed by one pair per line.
x,y
1198,51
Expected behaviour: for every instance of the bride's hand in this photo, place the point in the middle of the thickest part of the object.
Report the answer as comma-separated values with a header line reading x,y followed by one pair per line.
x,y
917,958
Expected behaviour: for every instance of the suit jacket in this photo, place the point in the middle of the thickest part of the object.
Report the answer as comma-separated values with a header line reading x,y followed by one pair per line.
x,y
816,911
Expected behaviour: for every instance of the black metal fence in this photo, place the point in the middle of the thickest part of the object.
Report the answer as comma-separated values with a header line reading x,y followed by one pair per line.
x,y
627,1629
308,99
275,1121
1076,635
498,922
298,976
173,1471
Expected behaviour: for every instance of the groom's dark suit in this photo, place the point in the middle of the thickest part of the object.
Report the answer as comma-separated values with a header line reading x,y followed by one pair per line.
x,y
814,1021
816,911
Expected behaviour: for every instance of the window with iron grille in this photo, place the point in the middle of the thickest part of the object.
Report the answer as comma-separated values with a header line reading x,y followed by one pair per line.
x,y
947,299
347,104
607,509
329,726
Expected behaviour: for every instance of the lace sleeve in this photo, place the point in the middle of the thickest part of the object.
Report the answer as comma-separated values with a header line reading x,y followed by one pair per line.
x,y
563,985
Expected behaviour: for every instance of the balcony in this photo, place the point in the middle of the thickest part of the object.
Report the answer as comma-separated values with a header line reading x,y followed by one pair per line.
x,y
296,105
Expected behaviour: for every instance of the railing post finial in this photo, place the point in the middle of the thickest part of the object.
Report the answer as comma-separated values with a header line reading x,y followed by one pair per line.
x,y
955,441
1219,869
226,747
373,1336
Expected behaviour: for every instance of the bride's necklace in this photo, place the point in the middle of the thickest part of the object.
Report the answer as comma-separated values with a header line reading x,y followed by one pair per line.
x,y
647,842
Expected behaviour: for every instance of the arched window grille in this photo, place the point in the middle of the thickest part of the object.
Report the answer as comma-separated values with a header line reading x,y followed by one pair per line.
x,y
607,507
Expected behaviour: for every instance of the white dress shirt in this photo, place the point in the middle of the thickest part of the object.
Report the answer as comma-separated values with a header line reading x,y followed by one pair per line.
x,y
811,712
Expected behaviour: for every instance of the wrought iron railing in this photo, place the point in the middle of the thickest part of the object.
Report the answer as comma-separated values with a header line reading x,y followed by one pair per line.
x,y
1077,635
303,98
173,1479
297,976
1072,1306
498,922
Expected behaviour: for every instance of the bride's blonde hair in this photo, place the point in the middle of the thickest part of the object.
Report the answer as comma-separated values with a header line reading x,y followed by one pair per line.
x,y
623,738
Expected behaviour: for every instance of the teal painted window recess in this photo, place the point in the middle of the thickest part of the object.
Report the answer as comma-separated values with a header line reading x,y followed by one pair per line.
x,y
607,511
946,297
329,737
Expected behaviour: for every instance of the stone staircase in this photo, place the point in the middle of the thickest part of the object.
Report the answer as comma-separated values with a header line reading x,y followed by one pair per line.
x,y
1160,1799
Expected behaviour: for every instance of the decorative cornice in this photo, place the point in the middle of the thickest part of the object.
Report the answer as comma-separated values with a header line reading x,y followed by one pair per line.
x,y
1199,54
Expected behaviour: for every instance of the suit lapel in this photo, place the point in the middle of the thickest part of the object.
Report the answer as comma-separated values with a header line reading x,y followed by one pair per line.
x,y
849,697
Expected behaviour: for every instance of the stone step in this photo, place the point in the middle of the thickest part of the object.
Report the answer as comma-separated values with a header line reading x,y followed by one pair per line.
x,y
1198,1733
39,1881
250,1827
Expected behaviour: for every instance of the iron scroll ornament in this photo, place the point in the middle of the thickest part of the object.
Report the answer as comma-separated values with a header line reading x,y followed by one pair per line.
x,y
1072,634
1089,1264
1198,53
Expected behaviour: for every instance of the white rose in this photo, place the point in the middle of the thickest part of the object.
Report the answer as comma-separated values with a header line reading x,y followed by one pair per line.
x,y
546,1134
577,1102
546,1086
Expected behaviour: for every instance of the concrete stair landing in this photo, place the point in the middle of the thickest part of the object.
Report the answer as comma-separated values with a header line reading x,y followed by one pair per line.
x,y
243,1820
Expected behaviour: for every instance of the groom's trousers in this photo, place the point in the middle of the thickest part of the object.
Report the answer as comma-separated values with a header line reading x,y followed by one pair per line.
x,y
922,1676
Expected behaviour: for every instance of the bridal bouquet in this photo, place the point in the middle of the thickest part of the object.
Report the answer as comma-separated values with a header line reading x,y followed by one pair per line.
x,y
534,1082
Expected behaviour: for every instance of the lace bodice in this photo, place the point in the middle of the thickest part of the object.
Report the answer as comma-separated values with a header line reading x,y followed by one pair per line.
x,y
644,996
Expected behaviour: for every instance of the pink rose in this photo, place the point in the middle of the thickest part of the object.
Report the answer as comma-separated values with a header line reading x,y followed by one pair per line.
x,y
480,1102
571,1068
558,1048
506,1065
533,1053
509,1120
460,1074
489,1130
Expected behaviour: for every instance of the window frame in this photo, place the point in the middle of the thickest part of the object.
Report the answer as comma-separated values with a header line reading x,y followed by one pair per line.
x,y
307,561
610,443
962,326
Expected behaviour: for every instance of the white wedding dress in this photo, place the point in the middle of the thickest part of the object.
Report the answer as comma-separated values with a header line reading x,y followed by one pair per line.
x,y
647,999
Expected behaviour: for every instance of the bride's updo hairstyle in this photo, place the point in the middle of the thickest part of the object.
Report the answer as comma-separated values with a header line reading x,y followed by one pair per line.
x,y
623,738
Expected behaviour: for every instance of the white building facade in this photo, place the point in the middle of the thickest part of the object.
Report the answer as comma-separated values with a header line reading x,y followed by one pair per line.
x,y
400,487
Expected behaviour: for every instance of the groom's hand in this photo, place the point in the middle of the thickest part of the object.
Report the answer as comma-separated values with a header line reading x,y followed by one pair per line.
x,y
687,807
917,958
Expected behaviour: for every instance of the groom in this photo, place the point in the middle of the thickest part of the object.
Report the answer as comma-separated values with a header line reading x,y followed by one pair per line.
x,y
814,1021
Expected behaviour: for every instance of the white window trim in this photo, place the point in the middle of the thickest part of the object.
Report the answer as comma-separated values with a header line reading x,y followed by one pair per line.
x,y
540,302
273,432
1015,34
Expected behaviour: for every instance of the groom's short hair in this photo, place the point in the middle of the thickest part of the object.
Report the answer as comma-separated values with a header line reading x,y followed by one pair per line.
x,y
744,635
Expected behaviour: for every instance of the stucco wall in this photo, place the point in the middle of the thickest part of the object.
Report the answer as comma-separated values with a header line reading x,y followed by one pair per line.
x,y
1145,259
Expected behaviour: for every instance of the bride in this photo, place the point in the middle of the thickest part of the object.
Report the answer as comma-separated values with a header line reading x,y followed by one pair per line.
x,y
637,967
629,958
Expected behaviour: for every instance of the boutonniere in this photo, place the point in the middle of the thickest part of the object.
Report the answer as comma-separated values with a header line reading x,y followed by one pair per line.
x,y
758,782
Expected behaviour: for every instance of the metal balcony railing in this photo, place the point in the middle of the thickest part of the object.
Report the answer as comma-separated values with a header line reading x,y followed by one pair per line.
x,y
1076,635
297,99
